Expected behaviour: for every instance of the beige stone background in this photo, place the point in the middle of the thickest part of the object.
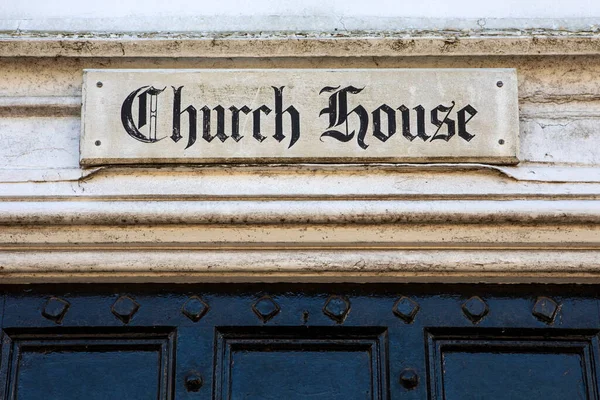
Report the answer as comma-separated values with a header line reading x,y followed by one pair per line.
x,y
533,222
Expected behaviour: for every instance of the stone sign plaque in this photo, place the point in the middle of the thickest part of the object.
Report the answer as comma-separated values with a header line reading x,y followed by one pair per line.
x,y
299,115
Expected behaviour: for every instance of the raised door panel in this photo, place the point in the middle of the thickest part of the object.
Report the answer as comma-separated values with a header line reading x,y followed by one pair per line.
x,y
507,364
66,364
301,363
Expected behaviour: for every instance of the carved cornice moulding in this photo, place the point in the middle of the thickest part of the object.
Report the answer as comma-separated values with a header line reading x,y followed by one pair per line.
x,y
458,266
304,212
308,240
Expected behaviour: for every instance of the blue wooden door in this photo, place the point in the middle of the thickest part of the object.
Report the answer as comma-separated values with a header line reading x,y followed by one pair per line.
x,y
292,342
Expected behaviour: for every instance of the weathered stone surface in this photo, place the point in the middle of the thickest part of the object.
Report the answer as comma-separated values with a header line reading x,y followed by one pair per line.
x,y
558,98
535,222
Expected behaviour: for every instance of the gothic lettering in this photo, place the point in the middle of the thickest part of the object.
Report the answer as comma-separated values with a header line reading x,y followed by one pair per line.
x,y
447,121
391,122
338,115
462,122
256,122
294,118
235,121
206,129
130,126
347,119
192,117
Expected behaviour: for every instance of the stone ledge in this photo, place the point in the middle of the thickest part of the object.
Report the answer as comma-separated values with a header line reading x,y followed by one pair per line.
x,y
183,46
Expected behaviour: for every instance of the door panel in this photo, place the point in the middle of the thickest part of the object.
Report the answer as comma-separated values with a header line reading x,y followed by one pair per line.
x,y
92,365
492,364
318,342
301,363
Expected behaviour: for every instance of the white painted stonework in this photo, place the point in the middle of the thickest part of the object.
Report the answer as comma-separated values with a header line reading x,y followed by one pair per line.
x,y
536,221
289,10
